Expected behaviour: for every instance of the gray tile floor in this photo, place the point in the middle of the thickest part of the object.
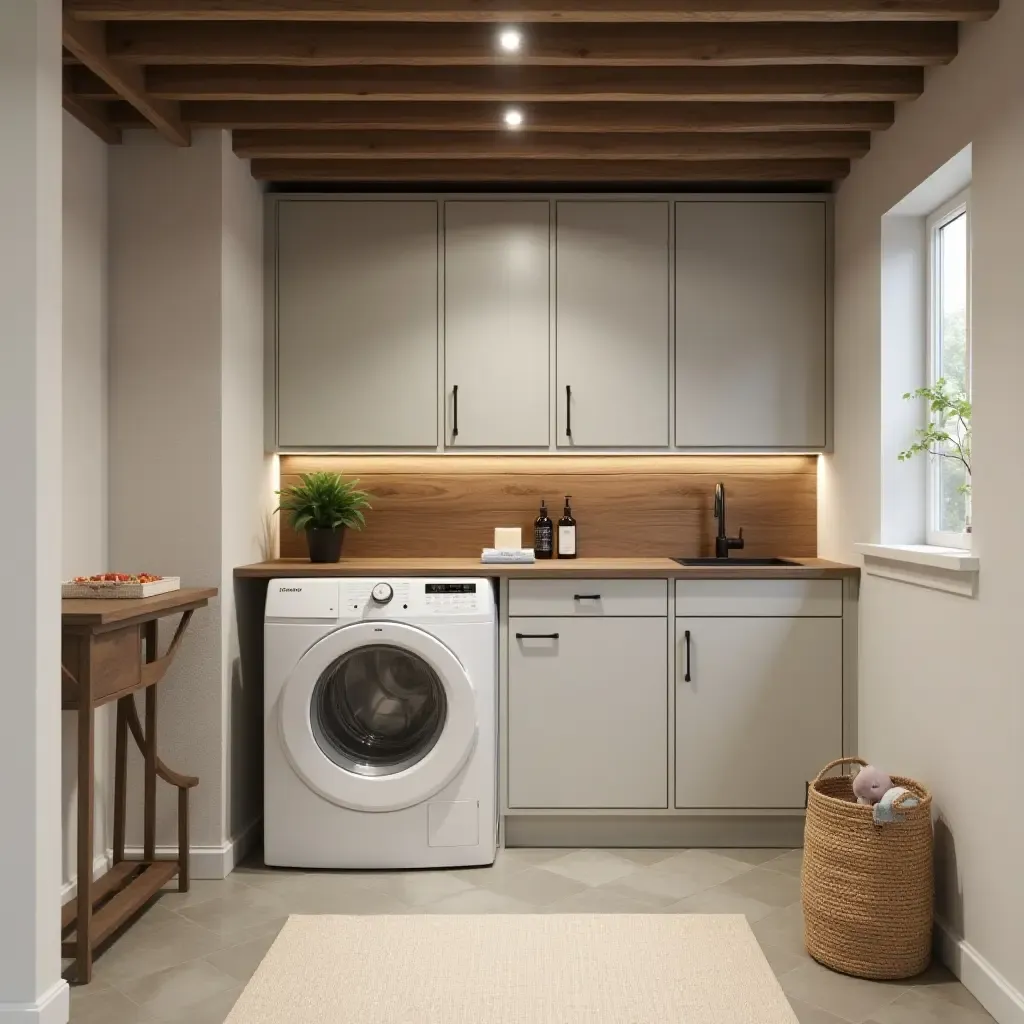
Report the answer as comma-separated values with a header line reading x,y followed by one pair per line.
x,y
189,955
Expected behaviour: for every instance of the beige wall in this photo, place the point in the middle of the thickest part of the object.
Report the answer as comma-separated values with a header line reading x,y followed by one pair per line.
x,y
165,464
31,166
942,677
186,450
84,547
246,487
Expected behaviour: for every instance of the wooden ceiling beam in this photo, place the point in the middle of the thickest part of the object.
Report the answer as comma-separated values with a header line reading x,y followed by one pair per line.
x,y
516,172
94,116
523,11
303,45
504,145
762,85
87,43
545,117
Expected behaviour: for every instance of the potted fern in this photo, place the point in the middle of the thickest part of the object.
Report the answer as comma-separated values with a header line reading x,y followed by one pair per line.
x,y
322,505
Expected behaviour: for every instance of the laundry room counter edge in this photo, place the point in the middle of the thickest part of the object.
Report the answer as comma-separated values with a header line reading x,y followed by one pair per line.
x,y
577,568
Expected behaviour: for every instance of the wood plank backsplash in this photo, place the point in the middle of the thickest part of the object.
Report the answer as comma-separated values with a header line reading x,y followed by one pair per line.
x,y
625,505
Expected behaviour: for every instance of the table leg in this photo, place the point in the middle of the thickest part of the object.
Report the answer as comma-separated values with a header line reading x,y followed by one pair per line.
x,y
184,874
149,799
149,804
120,778
86,787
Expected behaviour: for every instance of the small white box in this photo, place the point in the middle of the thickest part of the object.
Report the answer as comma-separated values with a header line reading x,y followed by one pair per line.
x,y
508,537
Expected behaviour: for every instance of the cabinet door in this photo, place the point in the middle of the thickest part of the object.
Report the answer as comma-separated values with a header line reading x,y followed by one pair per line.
x,y
751,331
761,713
588,713
612,337
497,322
357,323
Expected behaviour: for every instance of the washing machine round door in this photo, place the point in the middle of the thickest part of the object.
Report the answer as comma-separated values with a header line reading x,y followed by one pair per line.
x,y
378,716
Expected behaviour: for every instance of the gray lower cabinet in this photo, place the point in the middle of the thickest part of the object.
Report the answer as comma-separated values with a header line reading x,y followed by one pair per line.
x,y
588,713
357,324
751,328
612,323
761,712
497,280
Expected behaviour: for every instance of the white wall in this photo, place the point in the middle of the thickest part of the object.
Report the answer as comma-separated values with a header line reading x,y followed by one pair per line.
x,y
941,677
30,514
246,484
188,473
84,549
165,460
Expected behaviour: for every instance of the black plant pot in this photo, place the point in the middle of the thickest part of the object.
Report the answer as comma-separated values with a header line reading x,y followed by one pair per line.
x,y
324,544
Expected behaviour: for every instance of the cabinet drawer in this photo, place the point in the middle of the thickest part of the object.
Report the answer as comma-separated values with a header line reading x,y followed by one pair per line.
x,y
588,598
747,598
588,713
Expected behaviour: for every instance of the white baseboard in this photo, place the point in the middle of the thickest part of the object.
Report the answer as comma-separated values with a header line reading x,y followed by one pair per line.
x,y
204,861
100,866
51,1008
213,862
241,845
979,977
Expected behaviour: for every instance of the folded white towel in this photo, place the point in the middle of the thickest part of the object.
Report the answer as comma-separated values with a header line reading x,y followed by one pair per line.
x,y
496,556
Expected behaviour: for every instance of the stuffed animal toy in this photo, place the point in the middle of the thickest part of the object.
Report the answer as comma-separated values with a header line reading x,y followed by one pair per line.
x,y
870,784
887,809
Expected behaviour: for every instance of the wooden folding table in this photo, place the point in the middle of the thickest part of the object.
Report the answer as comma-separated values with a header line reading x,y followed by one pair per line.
x,y
108,652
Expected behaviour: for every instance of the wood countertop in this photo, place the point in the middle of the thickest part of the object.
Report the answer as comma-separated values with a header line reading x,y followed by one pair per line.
x,y
98,611
576,568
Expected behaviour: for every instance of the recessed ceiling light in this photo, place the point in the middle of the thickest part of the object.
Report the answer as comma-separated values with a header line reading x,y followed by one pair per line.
x,y
510,40
513,118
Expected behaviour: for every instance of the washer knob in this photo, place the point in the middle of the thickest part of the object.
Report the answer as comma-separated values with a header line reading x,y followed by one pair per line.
x,y
382,593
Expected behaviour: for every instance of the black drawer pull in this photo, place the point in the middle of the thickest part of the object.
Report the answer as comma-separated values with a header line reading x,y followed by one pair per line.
x,y
686,678
455,410
586,597
536,636
568,411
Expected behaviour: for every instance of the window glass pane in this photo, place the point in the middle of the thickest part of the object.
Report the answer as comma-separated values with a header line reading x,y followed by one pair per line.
x,y
952,324
953,359
952,509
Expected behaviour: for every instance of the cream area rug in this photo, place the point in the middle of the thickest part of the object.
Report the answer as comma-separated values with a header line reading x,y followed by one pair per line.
x,y
515,969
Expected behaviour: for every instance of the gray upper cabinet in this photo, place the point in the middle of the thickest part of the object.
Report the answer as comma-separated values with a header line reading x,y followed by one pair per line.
x,y
357,323
497,323
751,324
537,322
612,323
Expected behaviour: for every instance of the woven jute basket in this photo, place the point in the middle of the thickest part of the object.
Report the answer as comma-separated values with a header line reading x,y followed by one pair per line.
x,y
867,889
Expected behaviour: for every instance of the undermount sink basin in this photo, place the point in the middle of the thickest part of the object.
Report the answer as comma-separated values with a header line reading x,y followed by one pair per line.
x,y
738,563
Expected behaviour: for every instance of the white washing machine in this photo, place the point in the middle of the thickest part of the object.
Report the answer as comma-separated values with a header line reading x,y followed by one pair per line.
x,y
380,723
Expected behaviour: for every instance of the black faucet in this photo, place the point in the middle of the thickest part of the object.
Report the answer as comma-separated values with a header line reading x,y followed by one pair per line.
x,y
723,542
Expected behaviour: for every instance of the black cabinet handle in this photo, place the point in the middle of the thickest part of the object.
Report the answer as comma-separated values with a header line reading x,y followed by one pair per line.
x,y
586,597
686,678
536,636
568,411
455,410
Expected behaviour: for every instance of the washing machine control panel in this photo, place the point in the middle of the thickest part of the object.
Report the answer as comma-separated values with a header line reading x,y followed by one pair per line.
x,y
414,598
451,597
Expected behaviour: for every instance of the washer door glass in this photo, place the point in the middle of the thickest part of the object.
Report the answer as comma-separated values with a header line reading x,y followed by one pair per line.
x,y
377,716
378,709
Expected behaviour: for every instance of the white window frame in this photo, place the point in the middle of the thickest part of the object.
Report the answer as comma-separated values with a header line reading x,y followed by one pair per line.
x,y
945,214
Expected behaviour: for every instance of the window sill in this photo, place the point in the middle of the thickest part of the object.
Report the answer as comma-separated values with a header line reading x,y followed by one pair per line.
x,y
952,570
